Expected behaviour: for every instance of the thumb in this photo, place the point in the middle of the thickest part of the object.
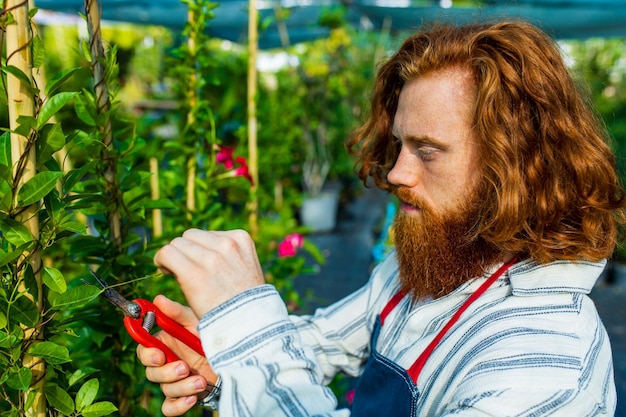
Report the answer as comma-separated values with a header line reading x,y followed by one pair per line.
x,y
176,311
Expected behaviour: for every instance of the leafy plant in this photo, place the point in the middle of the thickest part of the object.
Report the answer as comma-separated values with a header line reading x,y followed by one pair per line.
x,y
38,373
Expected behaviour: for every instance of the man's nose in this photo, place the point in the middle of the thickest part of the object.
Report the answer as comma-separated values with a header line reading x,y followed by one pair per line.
x,y
405,171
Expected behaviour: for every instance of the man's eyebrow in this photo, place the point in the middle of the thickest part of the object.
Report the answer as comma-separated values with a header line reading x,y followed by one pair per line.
x,y
424,141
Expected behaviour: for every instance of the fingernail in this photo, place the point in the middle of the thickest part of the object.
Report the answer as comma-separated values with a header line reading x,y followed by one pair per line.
x,y
191,400
181,370
199,384
156,360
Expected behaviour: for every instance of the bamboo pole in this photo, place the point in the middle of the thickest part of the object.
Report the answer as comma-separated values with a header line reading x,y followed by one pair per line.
x,y
192,99
62,156
253,161
22,103
92,10
157,220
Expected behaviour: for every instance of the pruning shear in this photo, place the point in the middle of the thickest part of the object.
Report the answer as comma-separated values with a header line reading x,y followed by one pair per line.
x,y
140,316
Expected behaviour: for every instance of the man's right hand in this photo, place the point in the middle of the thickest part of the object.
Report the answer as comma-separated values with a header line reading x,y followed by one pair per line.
x,y
185,381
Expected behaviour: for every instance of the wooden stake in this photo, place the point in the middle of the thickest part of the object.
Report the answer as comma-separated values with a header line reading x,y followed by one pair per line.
x,y
192,99
253,156
157,221
22,103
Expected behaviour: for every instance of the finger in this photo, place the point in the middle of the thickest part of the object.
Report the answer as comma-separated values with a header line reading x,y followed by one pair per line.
x,y
185,256
222,241
196,251
168,373
186,387
174,260
177,312
150,356
178,406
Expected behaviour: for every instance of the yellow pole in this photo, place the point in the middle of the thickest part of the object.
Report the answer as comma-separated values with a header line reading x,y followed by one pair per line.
x,y
157,221
21,103
253,162
191,97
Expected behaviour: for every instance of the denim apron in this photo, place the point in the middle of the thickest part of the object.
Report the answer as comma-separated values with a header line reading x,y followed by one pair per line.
x,y
385,388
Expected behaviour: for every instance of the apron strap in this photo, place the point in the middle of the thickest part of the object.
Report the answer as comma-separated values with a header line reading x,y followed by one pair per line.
x,y
416,368
391,304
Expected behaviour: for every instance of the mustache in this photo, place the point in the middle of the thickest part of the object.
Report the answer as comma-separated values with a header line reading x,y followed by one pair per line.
x,y
405,196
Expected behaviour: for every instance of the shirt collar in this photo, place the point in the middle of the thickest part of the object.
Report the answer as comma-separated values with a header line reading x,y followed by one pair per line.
x,y
527,278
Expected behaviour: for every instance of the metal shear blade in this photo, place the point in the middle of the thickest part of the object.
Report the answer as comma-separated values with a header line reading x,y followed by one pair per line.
x,y
129,308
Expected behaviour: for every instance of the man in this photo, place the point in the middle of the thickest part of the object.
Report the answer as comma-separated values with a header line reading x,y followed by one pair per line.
x,y
509,207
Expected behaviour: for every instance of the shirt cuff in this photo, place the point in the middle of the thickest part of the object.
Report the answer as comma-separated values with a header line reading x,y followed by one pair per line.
x,y
240,324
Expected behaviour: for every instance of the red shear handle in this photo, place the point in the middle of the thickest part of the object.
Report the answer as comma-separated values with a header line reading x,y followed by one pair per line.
x,y
143,336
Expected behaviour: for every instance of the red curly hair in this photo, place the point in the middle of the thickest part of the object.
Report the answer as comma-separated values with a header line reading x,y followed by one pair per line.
x,y
554,193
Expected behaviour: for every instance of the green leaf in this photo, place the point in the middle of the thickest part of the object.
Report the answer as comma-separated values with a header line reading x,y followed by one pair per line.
x,y
30,400
53,278
5,149
17,73
81,106
50,352
72,226
8,257
37,187
102,408
3,320
54,207
20,379
15,232
5,173
56,138
6,194
75,296
80,374
75,175
59,398
59,79
158,204
7,341
24,125
39,52
52,106
87,393
24,310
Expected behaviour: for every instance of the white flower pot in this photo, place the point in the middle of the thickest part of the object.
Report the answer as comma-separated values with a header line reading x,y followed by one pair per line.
x,y
319,213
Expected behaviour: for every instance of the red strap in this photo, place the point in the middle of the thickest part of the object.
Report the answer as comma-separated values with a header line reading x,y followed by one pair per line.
x,y
416,368
391,304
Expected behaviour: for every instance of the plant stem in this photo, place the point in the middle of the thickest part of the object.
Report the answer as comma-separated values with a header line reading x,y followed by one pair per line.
x,y
92,10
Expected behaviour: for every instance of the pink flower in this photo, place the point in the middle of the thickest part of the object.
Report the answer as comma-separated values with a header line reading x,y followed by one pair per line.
x,y
290,244
350,396
242,170
225,157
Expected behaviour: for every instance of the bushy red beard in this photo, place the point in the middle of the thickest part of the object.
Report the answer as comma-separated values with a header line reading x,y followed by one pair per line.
x,y
437,252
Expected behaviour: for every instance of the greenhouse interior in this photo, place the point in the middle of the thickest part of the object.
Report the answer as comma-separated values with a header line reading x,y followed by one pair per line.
x,y
126,123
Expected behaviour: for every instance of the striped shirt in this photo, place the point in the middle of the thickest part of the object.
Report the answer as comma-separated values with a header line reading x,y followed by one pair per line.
x,y
532,345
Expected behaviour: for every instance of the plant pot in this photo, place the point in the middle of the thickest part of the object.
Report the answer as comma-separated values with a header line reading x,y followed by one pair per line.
x,y
319,213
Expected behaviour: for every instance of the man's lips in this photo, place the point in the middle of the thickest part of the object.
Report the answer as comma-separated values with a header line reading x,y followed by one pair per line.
x,y
408,203
404,206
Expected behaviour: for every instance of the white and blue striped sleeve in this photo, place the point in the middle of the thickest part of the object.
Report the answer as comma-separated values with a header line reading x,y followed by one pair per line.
x,y
339,335
265,367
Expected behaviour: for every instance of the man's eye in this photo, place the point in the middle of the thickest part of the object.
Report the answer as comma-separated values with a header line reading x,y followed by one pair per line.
x,y
426,154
